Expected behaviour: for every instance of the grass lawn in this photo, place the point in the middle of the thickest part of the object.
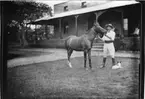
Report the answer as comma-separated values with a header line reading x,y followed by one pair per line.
x,y
55,79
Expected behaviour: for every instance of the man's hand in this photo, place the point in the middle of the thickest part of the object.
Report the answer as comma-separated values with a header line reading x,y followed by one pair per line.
x,y
108,37
100,38
101,35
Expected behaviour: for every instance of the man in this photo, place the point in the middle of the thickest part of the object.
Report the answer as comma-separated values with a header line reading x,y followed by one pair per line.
x,y
66,28
109,49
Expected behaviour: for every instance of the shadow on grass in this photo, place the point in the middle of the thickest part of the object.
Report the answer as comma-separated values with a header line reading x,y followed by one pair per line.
x,y
22,54
12,56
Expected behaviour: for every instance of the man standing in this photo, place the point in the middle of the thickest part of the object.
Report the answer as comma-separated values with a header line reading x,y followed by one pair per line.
x,y
109,49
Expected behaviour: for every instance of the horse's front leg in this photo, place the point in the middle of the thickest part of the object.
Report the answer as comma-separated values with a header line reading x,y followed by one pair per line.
x,y
69,52
89,57
85,58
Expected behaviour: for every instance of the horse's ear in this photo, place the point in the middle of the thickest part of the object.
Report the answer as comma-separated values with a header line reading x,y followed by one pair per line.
x,y
101,35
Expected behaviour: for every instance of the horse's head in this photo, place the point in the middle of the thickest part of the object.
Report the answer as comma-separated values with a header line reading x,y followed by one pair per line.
x,y
99,29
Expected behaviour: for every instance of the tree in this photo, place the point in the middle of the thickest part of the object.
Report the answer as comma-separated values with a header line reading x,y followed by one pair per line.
x,y
17,13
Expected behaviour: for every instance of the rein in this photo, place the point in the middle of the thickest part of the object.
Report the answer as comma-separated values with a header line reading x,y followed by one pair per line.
x,y
94,29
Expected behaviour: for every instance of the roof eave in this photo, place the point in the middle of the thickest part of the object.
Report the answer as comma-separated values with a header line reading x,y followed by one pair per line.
x,y
87,10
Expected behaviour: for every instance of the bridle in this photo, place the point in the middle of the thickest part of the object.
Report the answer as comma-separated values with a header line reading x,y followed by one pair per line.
x,y
95,28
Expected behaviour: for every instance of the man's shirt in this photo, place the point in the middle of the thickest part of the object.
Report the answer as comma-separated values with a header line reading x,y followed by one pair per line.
x,y
111,34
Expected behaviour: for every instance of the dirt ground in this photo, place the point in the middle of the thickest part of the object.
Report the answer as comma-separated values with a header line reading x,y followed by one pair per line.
x,y
56,80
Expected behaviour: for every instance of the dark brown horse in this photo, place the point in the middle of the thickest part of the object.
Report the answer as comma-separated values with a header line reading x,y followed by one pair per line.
x,y
83,43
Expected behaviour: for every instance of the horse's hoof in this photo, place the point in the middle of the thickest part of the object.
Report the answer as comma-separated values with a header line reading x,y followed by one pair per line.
x,y
101,67
70,65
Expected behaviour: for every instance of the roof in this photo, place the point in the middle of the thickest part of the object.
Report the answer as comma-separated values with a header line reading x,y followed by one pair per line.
x,y
111,4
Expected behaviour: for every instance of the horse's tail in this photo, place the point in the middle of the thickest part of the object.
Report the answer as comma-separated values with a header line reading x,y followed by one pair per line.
x,y
66,41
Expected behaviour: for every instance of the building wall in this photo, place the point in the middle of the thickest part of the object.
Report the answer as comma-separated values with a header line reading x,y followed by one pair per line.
x,y
76,4
85,22
134,13
0,27
94,2
71,24
71,29
56,30
82,24
114,18
73,5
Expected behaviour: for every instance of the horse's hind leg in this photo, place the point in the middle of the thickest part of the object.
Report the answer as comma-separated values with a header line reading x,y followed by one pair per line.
x,y
69,52
85,58
89,57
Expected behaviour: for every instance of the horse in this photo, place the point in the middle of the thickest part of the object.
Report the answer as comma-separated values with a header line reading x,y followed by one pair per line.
x,y
83,43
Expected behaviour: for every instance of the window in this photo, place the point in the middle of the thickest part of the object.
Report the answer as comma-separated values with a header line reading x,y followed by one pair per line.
x,y
125,22
84,4
125,27
51,27
65,8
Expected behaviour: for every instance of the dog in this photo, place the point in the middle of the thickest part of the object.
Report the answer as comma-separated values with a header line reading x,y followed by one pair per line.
x,y
117,66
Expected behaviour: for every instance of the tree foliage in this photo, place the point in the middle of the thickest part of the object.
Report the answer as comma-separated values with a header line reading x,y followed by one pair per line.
x,y
17,13
24,10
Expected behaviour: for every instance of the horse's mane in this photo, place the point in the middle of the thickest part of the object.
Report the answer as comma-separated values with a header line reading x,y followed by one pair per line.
x,y
88,31
99,28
